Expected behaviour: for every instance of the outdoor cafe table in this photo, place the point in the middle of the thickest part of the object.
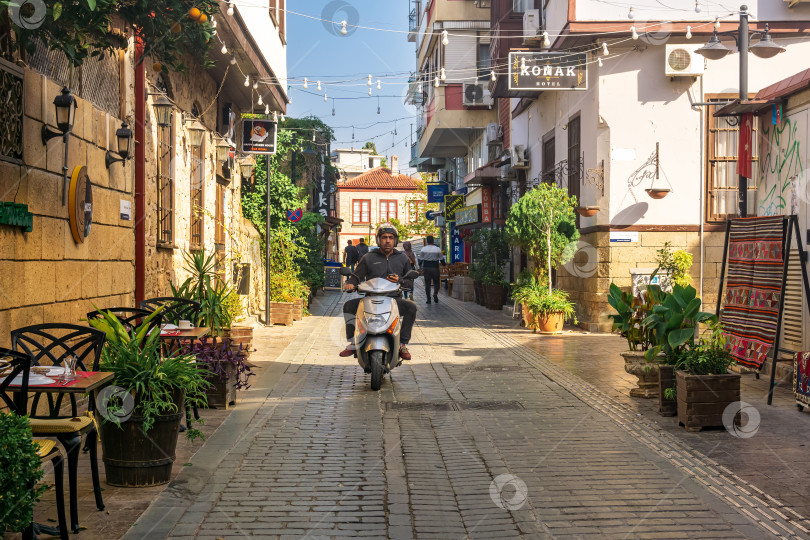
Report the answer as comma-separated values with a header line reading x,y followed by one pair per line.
x,y
87,382
172,339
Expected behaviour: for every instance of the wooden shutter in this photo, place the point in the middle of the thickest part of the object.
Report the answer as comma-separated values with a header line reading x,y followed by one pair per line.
x,y
793,315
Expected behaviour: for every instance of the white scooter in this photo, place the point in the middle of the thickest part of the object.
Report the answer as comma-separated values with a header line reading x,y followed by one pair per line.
x,y
377,326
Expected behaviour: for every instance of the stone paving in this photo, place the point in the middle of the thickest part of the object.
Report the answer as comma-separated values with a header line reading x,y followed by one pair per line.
x,y
478,436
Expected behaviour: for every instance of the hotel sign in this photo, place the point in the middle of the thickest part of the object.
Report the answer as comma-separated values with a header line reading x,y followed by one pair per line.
x,y
548,71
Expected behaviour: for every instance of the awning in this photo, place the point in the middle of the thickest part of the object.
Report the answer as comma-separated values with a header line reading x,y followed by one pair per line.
x,y
486,174
737,107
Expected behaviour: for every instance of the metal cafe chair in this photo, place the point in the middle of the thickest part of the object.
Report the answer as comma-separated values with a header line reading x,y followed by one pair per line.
x,y
50,344
129,317
13,365
175,309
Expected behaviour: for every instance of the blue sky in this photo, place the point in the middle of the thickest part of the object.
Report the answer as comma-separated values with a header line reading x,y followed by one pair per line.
x,y
318,51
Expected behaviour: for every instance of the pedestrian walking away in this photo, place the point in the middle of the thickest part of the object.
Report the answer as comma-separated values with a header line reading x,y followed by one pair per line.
x,y
362,248
408,250
350,255
388,263
429,260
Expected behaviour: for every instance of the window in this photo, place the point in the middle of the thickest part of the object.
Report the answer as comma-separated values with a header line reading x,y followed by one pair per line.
x,y
388,210
521,6
278,16
548,161
361,211
370,163
197,185
165,184
219,225
484,62
722,139
416,208
574,163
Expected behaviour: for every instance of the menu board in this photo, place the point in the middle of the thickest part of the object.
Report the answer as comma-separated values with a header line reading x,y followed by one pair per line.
x,y
333,278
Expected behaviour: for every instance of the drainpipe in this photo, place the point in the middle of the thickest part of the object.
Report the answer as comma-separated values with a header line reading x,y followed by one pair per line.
x,y
702,184
140,171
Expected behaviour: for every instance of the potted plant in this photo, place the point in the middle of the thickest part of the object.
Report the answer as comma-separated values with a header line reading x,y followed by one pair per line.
x,y
544,310
227,370
490,254
285,286
20,471
543,224
139,421
704,388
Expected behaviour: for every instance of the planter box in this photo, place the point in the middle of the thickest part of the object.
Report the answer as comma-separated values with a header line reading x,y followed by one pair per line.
x,y
240,335
222,393
298,310
281,313
666,379
703,398
495,296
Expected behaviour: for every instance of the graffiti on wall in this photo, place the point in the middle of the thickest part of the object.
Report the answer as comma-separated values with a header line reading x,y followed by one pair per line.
x,y
780,164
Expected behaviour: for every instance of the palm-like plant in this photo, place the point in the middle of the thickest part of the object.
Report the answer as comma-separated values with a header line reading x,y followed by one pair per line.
x,y
206,287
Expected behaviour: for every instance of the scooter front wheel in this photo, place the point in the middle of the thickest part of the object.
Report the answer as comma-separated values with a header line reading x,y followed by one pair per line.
x,y
376,359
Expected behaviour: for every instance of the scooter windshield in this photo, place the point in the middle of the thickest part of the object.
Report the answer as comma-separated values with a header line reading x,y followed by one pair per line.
x,y
378,286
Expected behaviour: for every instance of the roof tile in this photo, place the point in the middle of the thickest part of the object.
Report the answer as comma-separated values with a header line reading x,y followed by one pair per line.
x,y
380,178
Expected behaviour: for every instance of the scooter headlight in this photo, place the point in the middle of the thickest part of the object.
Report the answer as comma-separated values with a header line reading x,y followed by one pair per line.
x,y
376,323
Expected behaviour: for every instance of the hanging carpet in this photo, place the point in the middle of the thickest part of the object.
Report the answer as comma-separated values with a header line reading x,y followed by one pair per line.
x,y
751,300
801,377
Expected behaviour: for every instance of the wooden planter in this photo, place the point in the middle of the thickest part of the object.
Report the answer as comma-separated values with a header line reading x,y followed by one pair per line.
x,y
133,458
298,310
240,335
494,296
222,393
478,290
666,379
550,323
281,313
703,398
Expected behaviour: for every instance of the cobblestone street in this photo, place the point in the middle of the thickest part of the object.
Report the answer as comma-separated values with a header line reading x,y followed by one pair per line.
x,y
478,436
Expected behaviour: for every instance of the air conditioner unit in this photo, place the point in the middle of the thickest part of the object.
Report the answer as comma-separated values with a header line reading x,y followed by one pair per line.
x,y
476,95
531,23
492,133
683,61
520,157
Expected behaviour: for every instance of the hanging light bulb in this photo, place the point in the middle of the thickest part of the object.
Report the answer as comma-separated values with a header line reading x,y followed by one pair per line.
x,y
688,32
343,30
275,116
604,48
600,61
546,41
379,85
445,38
717,23
697,6
325,99
283,118
633,32
247,80
306,83
369,91
256,84
260,102
230,9
224,49
631,14
492,75
443,75
319,86
267,111
436,82
233,60
378,109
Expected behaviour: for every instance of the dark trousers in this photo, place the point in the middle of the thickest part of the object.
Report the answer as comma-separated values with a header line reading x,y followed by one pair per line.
x,y
432,276
407,310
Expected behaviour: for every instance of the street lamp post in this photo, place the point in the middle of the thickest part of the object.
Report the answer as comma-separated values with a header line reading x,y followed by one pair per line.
x,y
765,48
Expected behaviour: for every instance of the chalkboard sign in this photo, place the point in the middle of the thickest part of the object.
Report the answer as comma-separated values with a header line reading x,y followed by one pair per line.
x,y
333,278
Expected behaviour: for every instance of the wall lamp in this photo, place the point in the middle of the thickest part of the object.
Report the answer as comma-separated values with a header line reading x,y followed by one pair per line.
x,y
123,139
195,134
65,104
223,149
163,110
246,168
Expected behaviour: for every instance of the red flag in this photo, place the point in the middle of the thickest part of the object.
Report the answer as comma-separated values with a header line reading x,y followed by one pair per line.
x,y
745,151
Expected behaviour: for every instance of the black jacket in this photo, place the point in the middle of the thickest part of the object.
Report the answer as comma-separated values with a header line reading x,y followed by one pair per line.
x,y
374,264
352,255
362,249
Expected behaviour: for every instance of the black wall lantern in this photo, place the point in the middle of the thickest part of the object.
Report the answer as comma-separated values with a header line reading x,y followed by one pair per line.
x,y
65,104
123,139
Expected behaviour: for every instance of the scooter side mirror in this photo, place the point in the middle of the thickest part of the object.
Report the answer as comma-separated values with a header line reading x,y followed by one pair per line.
x,y
345,271
412,274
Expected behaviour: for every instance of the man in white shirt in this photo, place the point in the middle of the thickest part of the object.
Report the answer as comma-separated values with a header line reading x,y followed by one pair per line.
x,y
429,259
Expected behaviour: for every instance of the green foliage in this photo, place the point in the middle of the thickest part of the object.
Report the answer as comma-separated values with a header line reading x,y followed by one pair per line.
x,y
402,229
675,264
152,379
284,271
673,322
206,287
233,306
630,314
421,226
709,356
539,300
310,262
490,253
543,225
83,29
20,470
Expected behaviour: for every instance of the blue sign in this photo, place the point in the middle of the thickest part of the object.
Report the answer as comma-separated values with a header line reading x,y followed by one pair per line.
x,y
295,215
436,192
456,245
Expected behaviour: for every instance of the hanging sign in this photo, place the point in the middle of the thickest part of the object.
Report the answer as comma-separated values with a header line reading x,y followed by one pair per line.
x,y
456,245
436,192
451,204
486,204
295,215
259,136
80,204
468,215
16,215
548,71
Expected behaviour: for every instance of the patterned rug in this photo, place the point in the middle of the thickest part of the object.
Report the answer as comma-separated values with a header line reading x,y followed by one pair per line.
x,y
801,377
753,288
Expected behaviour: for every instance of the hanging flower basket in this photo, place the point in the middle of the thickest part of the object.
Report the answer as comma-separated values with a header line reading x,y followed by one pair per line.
x,y
587,211
657,193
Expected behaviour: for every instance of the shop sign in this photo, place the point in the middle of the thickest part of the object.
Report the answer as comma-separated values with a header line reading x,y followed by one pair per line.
x,y
451,204
80,204
259,136
486,204
467,215
436,192
16,215
456,245
548,71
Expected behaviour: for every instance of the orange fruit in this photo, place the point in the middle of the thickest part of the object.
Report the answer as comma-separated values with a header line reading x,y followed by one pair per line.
x,y
157,66
176,28
194,13
203,18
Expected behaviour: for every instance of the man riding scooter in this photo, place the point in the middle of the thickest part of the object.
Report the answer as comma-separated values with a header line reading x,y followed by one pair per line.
x,y
385,262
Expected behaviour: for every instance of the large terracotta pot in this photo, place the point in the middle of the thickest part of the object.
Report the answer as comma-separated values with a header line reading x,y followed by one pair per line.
x,y
636,364
549,323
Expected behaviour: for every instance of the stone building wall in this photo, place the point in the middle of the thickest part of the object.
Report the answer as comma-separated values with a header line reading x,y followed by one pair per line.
x,y
44,275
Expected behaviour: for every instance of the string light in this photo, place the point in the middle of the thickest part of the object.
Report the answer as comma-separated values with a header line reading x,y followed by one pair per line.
x,y
267,112
343,30
369,81
688,32
631,14
369,91
436,83
492,75
717,23
247,80
443,75
256,84
697,6
233,60
600,61
283,118
324,98
633,32
319,86
604,48
419,87
230,9
445,38
379,85
224,49
546,41
306,83
260,102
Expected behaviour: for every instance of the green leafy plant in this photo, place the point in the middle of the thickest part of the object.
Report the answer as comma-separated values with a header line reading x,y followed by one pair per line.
x,y
539,300
20,471
206,287
233,306
140,369
490,253
631,311
676,264
285,284
709,356
673,322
